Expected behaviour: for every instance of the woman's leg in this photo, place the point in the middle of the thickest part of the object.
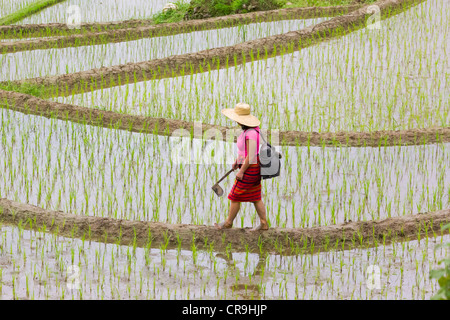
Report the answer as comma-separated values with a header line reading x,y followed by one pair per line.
x,y
261,210
232,213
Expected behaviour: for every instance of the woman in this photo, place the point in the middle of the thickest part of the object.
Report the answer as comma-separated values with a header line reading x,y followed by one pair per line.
x,y
247,186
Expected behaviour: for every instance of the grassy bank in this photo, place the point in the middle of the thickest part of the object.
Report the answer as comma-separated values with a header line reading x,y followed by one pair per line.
x,y
322,3
26,88
202,9
27,11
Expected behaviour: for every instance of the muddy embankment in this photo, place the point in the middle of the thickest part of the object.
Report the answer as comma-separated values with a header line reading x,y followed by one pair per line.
x,y
31,105
217,58
108,32
275,240
27,10
61,29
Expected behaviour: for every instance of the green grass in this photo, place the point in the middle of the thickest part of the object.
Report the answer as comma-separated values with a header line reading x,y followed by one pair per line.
x,y
183,7
27,88
320,3
442,275
217,8
172,15
27,11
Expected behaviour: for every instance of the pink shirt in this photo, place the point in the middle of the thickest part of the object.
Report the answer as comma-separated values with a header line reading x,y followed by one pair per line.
x,y
249,134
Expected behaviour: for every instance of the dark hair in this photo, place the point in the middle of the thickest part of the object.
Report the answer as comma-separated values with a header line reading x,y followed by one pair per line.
x,y
244,127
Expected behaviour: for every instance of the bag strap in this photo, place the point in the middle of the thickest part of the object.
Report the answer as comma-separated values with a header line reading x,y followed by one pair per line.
x,y
257,147
259,132
261,135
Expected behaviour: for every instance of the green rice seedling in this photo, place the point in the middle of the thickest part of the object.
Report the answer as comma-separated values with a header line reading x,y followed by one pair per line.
x,y
26,11
98,11
98,55
334,182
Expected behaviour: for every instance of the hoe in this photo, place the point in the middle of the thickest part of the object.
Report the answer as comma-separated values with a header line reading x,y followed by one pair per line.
x,y
217,189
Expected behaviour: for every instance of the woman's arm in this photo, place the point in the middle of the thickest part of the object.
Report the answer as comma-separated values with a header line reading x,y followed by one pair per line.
x,y
249,159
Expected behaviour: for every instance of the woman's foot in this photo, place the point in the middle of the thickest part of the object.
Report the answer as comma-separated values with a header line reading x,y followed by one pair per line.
x,y
223,225
261,227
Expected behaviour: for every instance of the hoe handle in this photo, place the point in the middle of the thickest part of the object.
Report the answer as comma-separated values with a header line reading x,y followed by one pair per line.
x,y
226,175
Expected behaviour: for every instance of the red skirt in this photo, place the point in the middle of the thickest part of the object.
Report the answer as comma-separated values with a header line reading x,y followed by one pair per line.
x,y
249,188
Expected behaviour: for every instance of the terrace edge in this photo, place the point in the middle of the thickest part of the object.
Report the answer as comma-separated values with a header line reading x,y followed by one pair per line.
x,y
275,240
29,104
145,27
214,59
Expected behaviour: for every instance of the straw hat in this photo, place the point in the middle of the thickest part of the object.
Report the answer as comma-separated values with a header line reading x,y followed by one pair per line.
x,y
241,114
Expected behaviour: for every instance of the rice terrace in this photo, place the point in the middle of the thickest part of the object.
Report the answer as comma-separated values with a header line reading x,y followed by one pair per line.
x,y
120,117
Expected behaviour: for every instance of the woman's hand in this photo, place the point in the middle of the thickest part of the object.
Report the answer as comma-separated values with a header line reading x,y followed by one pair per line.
x,y
237,162
235,165
240,175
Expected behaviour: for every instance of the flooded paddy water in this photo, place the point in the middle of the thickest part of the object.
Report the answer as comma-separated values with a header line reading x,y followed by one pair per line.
x,y
67,60
96,171
37,265
10,6
93,171
97,11
394,78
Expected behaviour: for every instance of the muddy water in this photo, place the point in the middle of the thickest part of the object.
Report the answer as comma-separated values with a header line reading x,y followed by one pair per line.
x,y
38,265
98,11
95,171
388,79
67,60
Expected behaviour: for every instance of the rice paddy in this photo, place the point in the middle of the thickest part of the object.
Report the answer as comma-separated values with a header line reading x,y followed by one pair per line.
x,y
64,61
97,11
8,6
366,81
96,171
38,265
393,78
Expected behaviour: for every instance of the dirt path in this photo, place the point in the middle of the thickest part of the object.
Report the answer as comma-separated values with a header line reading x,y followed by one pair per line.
x,y
275,240
31,105
217,58
96,33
